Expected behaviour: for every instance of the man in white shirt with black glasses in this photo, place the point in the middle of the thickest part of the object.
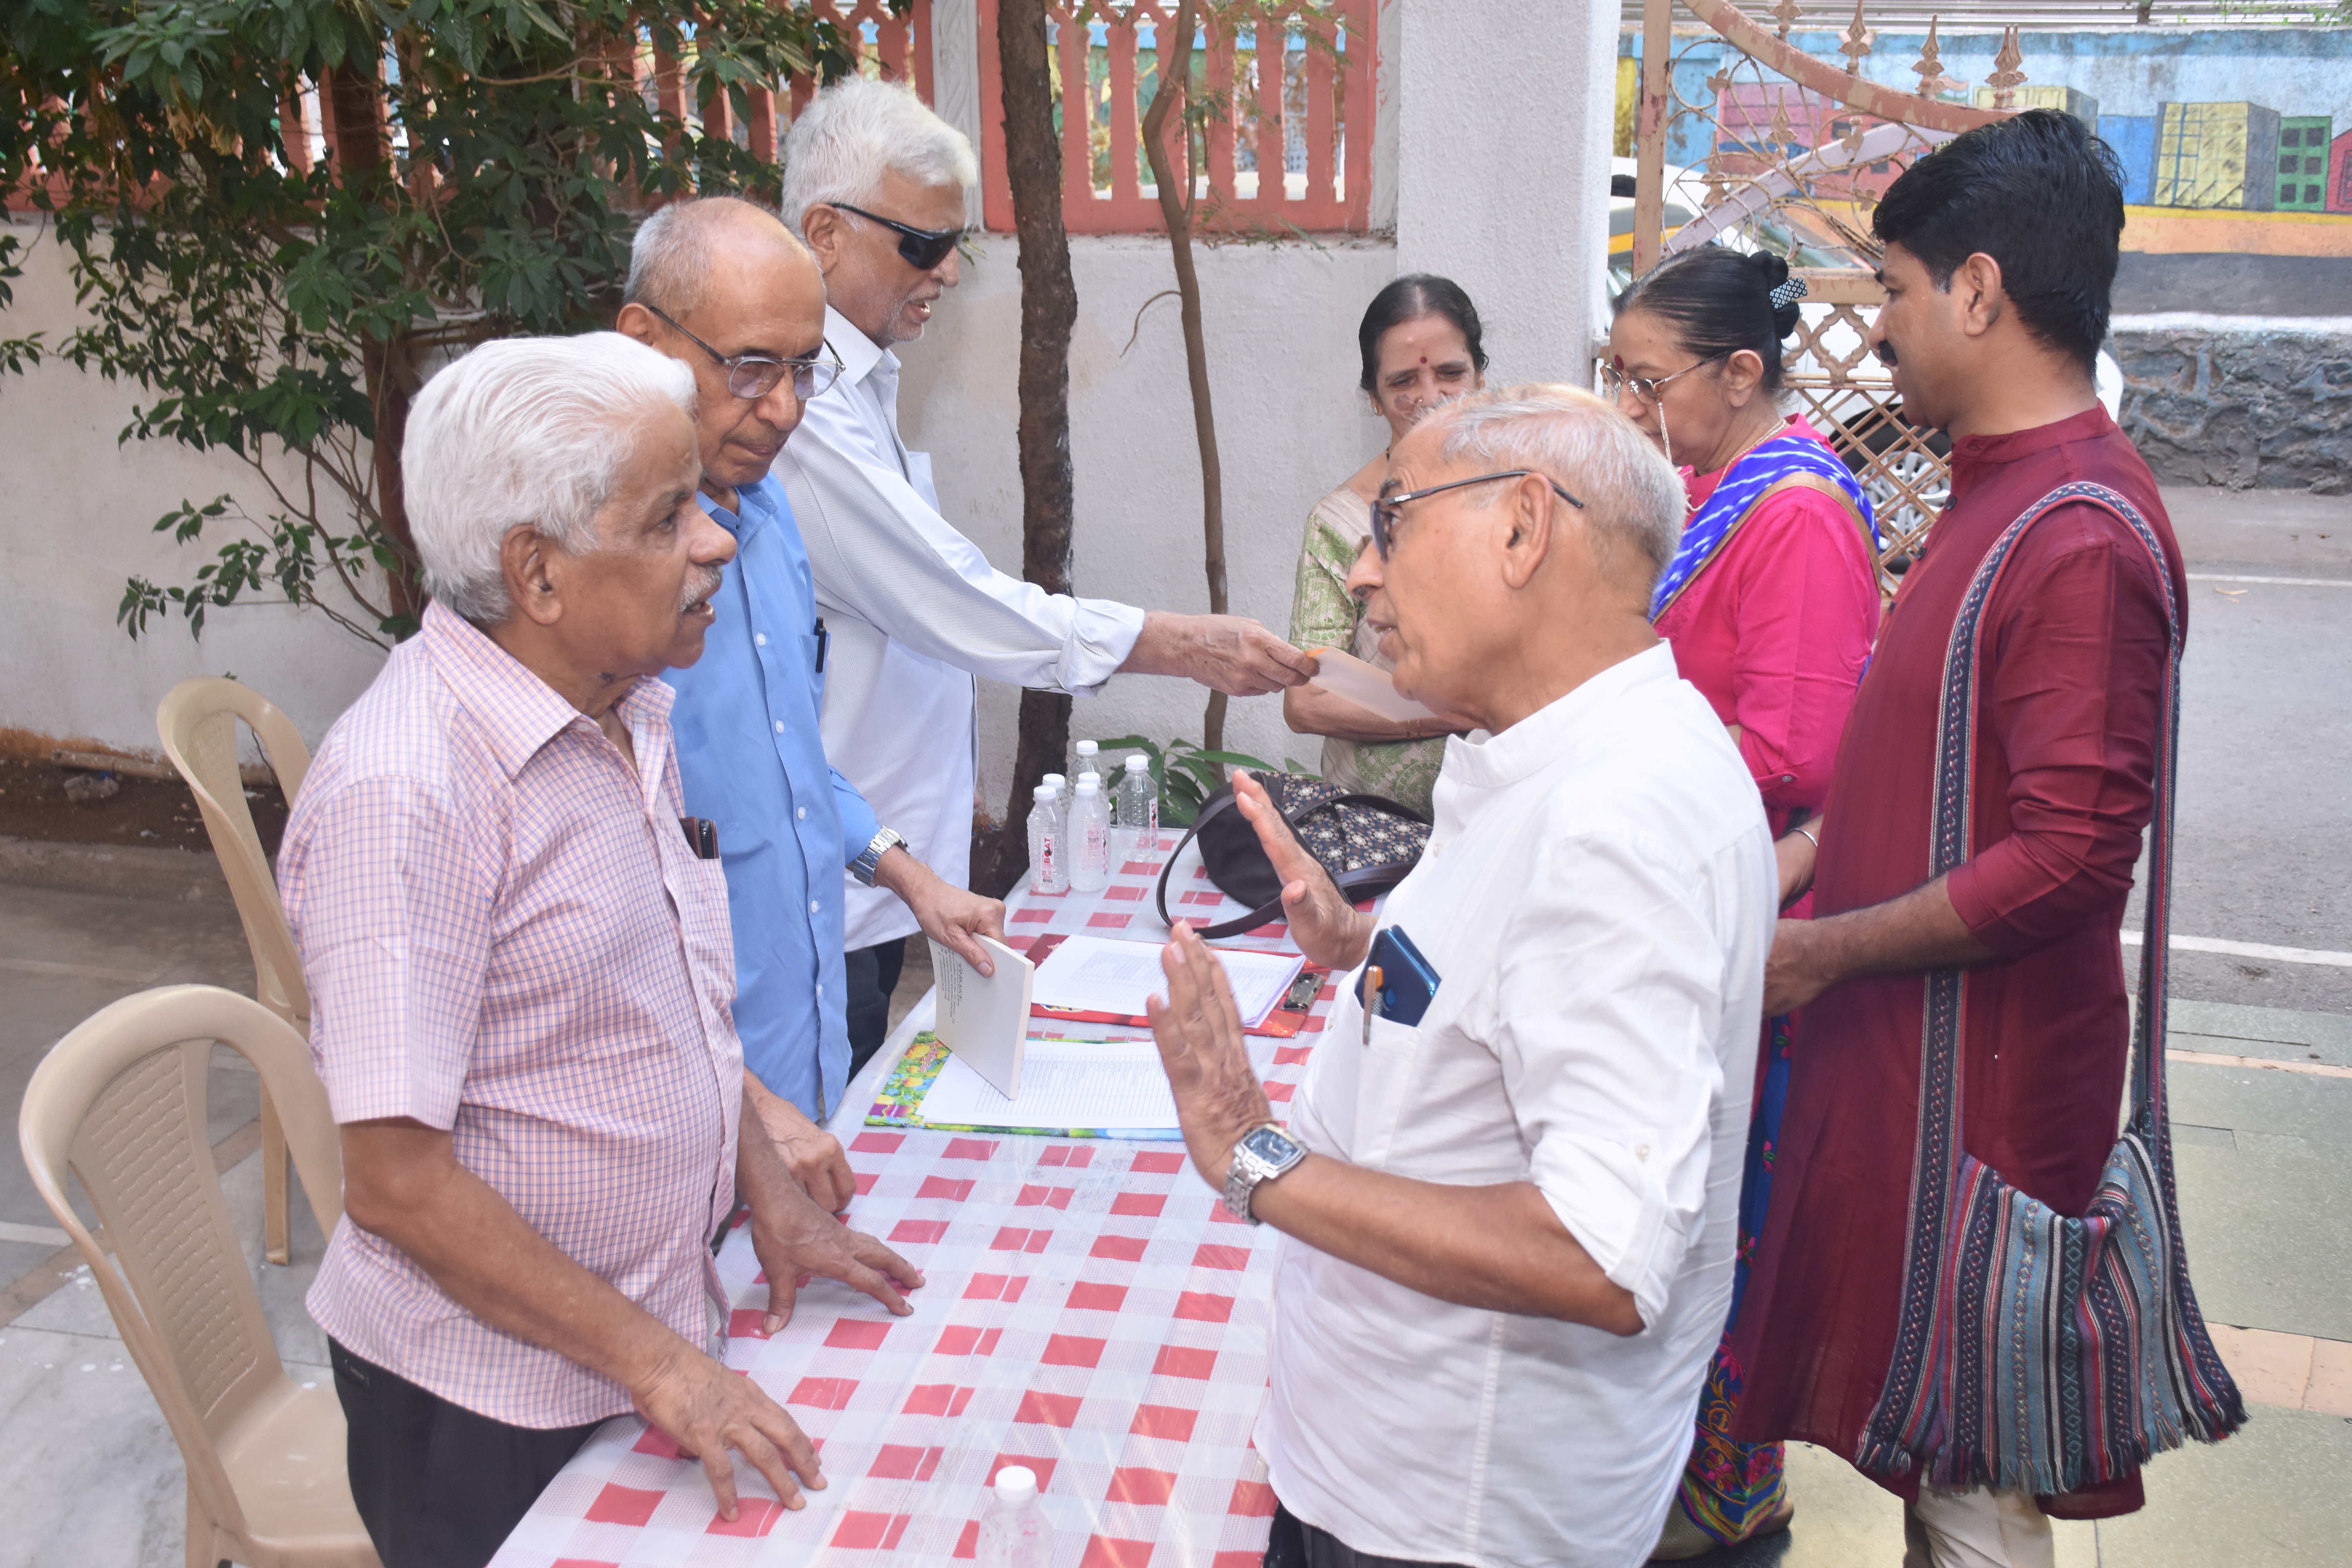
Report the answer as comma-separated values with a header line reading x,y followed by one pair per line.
x,y
1509,1196
874,182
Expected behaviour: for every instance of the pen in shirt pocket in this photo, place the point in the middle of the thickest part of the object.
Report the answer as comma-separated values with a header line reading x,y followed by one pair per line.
x,y
824,641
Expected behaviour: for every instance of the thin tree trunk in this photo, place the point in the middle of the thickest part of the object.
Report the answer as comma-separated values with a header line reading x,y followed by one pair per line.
x,y
1049,311
354,104
1176,208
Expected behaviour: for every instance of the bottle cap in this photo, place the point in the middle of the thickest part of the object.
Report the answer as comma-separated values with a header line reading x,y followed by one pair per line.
x,y
1138,762
1088,748
1090,774
1089,784
1056,780
1016,1484
1046,792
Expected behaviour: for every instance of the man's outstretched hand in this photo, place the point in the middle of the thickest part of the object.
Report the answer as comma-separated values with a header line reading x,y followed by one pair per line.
x,y
797,1240
1231,654
1327,929
708,1410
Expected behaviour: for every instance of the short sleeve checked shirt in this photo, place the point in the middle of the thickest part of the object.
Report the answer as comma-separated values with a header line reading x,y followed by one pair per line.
x,y
506,934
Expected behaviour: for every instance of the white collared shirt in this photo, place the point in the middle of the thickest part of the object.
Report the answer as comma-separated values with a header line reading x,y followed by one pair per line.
x,y
915,611
1597,899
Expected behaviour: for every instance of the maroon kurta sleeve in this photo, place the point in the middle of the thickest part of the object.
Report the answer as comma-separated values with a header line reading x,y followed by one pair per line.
x,y
2074,675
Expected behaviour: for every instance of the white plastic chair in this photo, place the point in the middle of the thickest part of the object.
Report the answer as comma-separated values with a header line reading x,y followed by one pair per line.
x,y
197,722
120,1103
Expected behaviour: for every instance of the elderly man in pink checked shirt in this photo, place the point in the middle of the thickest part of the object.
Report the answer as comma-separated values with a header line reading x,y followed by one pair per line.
x,y
520,975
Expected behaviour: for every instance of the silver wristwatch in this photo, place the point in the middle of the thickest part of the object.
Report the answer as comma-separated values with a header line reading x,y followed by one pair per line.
x,y
869,859
1262,1154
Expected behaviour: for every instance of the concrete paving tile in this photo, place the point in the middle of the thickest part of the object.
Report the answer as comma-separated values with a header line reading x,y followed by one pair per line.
x,y
2329,1392
2271,1497
94,1477
2269,1235
2263,1100
1842,1518
2330,1034
2270,1368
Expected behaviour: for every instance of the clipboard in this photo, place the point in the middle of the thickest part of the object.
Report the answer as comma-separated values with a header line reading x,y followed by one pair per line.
x,y
1366,685
984,1020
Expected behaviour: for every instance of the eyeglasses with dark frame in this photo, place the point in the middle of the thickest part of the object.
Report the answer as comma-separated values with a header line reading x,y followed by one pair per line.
x,y
1385,509
753,376
920,248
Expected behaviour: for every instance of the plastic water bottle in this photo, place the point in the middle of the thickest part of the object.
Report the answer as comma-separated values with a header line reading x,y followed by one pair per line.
x,y
1085,753
1136,811
1061,792
1049,856
1014,1533
1089,836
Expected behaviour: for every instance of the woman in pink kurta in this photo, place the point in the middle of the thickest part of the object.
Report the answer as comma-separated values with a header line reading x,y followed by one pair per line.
x,y
1770,603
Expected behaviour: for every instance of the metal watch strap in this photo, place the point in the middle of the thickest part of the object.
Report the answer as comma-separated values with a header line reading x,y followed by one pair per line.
x,y
869,859
1248,1171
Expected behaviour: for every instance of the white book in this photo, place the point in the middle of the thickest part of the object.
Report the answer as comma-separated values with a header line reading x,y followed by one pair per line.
x,y
984,1018
1097,975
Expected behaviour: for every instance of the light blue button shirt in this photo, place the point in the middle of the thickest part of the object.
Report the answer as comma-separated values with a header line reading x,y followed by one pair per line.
x,y
751,760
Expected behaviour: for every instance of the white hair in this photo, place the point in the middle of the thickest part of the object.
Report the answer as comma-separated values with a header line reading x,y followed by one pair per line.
x,y
858,129
669,260
1632,495
524,433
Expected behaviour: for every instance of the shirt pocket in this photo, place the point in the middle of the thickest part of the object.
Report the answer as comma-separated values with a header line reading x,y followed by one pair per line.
x,y
1391,1064
705,924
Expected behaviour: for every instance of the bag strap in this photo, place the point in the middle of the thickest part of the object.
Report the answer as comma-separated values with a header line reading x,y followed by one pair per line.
x,y
1266,913
1935,1161
1956,771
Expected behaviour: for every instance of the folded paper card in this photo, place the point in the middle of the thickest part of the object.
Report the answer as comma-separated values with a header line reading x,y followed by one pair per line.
x,y
1365,685
984,1018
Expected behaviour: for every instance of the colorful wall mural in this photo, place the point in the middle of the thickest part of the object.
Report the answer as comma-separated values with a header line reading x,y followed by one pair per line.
x,y
2236,143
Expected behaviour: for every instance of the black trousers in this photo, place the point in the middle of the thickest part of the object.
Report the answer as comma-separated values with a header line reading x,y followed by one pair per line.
x,y
1294,1543
873,975
436,1485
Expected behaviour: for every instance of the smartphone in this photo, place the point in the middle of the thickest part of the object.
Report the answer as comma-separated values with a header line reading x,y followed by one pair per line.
x,y
1407,979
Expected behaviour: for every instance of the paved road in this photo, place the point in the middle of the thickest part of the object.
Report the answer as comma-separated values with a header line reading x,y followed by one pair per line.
x,y
2265,833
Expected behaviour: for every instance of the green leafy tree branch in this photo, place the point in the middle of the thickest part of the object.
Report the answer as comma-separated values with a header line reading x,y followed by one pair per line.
x,y
484,162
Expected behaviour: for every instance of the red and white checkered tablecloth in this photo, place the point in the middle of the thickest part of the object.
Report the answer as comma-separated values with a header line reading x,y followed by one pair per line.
x,y
1091,1312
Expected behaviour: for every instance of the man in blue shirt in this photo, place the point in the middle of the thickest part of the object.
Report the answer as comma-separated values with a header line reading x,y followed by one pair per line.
x,y
722,286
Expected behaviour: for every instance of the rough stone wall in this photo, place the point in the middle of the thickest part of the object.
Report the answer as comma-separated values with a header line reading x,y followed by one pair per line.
x,y
2246,407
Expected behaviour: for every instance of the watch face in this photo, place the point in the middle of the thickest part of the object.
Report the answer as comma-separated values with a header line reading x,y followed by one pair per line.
x,y
1271,1146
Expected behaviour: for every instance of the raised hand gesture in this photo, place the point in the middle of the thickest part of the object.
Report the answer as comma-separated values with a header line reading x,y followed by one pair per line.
x,y
1327,929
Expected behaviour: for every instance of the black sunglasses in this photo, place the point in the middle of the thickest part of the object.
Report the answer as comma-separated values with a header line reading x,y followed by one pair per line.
x,y
920,248
754,376
1384,511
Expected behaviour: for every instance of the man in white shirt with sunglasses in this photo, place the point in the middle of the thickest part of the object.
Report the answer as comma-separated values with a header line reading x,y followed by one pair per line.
x,y
875,182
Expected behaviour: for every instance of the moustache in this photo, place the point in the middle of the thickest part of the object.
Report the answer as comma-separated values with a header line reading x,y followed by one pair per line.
x,y
701,588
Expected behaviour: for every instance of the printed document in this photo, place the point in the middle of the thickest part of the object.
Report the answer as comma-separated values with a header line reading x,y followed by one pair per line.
x,y
1095,974
1111,1085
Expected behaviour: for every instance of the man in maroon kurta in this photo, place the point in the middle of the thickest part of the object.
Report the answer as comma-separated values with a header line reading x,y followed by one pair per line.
x,y
1998,259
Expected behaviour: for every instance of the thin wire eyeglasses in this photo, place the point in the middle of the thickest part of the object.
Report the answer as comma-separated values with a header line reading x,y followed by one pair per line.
x,y
920,248
754,376
1645,387
1385,509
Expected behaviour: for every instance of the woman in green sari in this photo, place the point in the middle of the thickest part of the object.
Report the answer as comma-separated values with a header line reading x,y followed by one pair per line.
x,y
1420,341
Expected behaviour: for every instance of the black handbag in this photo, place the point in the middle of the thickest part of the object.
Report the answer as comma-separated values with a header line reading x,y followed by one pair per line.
x,y
1367,842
